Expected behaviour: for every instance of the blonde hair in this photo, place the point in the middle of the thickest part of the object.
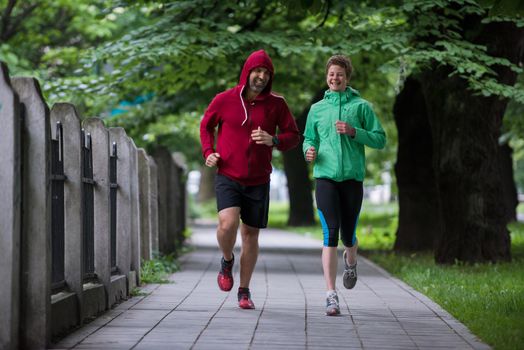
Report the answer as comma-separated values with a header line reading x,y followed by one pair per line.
x,y
342,61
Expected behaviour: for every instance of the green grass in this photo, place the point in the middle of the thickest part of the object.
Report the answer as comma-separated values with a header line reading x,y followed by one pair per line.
x,y
206,210
487,298
158,269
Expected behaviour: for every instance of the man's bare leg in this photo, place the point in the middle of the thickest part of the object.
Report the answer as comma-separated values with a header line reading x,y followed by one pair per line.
x,y
228,221
248,254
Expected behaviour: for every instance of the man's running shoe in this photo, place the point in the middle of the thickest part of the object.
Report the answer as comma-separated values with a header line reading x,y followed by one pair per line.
x,y
332,307
350,273
225,275
244,299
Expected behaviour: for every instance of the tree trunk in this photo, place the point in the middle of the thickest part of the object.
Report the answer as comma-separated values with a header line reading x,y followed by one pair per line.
x,y
206,189
418,222
465,132
298,182
299,189
508,183
466,129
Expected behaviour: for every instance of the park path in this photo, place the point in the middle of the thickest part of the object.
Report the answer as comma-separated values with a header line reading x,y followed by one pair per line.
x,y
381,312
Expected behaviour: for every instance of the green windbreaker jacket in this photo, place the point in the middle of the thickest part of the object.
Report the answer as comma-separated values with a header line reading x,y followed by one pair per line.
x,y
341,157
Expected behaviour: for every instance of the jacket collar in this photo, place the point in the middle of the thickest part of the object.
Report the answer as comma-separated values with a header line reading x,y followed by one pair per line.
x,y
345,96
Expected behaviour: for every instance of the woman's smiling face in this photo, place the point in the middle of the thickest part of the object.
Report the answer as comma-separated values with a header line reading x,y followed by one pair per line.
x,y
336,78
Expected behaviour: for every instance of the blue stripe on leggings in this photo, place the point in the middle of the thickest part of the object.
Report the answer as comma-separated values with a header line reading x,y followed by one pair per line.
x,y
354,238
325,229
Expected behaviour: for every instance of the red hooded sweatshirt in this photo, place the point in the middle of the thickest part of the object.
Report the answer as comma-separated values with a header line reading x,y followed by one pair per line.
x,y
241,159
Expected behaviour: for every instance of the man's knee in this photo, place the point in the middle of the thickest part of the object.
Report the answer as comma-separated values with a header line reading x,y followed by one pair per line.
x,y
228,220
227,226
249,233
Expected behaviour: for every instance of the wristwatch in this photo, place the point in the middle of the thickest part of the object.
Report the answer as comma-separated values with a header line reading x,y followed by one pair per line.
x,y
275,140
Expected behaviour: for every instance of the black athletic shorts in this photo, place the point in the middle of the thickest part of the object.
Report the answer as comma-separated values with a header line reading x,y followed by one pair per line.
x,y
338,205
252,200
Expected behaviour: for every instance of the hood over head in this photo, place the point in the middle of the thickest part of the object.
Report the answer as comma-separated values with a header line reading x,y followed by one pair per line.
x,y
257,59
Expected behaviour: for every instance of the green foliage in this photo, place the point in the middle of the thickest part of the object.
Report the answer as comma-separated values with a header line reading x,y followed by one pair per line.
x,y
206,210
377,225
158,269
191,48
437,37
508,8
137,292
98,54
49,35
517,239
513,134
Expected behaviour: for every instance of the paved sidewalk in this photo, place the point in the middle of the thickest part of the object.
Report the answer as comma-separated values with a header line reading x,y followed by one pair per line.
x,y
288,290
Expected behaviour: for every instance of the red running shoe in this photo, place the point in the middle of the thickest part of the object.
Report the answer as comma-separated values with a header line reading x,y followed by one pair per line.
x,y
225,275
244,299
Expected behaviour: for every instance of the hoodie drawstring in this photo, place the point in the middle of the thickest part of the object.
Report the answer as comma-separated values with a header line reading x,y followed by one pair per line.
x,y
243,105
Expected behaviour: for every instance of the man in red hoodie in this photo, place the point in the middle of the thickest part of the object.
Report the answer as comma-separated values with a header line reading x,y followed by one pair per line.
x,y
247,117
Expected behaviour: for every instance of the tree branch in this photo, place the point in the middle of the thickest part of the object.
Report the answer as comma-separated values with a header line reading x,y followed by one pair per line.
x,y
328,8
6,16
17,20
254,24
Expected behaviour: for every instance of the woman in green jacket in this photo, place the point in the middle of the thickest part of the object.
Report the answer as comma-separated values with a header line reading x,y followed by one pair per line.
x,y
337,129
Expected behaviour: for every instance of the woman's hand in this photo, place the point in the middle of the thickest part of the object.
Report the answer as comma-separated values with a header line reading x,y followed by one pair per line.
x,y
345,128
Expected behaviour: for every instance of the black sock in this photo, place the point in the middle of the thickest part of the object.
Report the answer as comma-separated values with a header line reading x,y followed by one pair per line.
x,y
229,261
242,290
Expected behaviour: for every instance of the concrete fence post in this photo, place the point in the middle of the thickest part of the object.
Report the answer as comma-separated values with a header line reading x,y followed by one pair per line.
x,y
36,229
166,213
144,174
10,211
134,276
153,203
97,299
69,314
179,197
123,217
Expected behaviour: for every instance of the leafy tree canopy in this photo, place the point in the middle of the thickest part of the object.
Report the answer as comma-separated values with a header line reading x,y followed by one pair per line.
x,y
161,62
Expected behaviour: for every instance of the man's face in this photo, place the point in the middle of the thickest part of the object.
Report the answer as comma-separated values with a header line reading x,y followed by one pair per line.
x,y
258,79
336,78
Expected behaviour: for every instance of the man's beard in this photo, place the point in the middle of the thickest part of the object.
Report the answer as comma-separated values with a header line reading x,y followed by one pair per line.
x,y
258,88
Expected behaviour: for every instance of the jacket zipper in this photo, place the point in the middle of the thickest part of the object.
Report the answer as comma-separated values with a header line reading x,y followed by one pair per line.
x,y
339,170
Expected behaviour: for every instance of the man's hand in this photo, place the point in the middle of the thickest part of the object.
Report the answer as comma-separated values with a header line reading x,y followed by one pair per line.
x,y
311,154
212,159
261,137
345,128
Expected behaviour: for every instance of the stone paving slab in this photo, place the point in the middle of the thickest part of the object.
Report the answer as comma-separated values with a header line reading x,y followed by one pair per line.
x,y
381,312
